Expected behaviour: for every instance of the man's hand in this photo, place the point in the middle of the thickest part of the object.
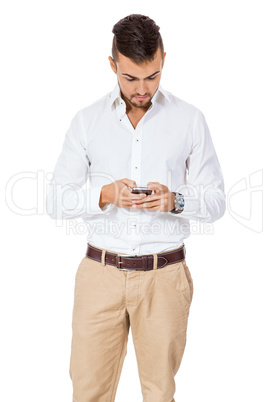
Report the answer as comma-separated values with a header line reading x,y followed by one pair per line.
x,y
162,200
119,194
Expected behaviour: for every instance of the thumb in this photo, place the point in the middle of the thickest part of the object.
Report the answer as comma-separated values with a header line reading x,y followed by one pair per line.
x,y
128,182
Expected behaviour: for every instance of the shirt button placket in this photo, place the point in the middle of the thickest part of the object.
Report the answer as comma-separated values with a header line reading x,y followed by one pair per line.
x,y
136,156
136,176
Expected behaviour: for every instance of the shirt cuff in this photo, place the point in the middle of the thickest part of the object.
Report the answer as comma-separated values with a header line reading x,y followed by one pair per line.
x,y
94,199
191,208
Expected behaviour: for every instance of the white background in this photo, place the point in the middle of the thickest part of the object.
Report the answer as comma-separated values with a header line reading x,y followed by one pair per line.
x,y
54,62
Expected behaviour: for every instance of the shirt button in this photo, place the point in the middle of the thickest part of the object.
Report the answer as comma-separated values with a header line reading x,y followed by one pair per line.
x,y
136,167
137,140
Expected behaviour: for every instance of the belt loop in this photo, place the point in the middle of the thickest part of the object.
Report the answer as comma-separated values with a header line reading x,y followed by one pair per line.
x,y
103,257
155,261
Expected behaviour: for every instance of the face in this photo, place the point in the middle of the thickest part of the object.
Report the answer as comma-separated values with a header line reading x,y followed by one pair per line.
x,y
138,83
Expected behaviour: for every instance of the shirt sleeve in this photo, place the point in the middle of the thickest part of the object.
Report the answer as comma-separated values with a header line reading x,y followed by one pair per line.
x,y
65,197
204,189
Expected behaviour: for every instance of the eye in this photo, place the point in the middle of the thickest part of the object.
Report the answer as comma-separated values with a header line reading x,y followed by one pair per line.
x,y
133,79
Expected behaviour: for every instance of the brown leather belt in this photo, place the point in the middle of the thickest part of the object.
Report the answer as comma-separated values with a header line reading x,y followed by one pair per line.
x,y
136,263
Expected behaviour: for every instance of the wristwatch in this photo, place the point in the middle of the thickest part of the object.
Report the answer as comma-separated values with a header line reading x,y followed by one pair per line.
x,y
178,203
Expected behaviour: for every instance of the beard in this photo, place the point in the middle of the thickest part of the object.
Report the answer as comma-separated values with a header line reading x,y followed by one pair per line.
x,y
139,104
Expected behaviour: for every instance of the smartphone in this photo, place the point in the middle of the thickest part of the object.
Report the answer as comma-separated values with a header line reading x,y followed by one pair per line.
x,y
141,190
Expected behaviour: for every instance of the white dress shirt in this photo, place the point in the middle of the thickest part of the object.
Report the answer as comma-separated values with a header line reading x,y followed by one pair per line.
x,y
170,145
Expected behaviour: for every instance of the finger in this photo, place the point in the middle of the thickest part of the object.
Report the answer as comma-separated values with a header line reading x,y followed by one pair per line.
x,y
147,199
156,186
136,196
128,182
146,205
153,184
125,191
128,199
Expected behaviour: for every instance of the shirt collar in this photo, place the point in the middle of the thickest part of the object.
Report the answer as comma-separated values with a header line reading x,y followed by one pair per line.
x,y
160,92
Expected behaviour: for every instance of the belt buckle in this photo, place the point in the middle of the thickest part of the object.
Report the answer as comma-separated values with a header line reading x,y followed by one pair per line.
x,y
118,261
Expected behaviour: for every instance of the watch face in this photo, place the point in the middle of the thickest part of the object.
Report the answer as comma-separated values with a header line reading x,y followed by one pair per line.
x,y
181,202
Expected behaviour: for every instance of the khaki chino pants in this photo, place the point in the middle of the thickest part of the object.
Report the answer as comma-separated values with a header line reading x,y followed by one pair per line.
x,y
107,302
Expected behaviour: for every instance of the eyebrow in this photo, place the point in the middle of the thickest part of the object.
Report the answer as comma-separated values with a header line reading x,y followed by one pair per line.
x,y
131,76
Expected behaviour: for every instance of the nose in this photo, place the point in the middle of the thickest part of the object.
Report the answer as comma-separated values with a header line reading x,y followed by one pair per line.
x,y
141,89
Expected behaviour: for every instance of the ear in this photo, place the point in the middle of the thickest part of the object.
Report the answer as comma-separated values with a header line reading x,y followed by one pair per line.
x,y
112,64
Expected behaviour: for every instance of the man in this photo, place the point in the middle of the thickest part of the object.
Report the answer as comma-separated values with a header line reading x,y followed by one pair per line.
x,y
134,272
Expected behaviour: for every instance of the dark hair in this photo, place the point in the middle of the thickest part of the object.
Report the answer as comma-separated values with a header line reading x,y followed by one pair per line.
x,y
136,37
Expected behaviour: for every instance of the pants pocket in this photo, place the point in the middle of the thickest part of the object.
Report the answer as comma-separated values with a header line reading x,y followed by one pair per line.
x,y
189,279
80,266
